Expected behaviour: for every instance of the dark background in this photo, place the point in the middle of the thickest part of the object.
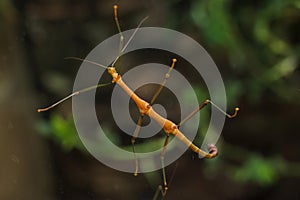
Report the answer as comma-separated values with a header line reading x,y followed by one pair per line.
x,y
255,44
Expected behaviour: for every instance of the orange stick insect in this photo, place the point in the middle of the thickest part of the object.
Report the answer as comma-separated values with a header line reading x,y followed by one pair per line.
x,y
145,108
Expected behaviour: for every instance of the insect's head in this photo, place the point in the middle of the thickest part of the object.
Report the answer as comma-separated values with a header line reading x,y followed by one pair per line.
x,y
115,76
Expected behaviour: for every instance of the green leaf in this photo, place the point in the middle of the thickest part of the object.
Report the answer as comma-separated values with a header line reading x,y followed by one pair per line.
x,y
260,170
64,133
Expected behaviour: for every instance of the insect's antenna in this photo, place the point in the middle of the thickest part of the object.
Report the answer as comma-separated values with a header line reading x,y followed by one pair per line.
x,y
202,105
131,37
55,104
85,60
71,95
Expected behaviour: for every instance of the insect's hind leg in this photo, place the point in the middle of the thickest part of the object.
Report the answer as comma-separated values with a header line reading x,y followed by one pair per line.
x,y
165,189
133,139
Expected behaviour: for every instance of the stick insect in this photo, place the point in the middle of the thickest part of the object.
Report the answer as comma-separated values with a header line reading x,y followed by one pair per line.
x,y
145,108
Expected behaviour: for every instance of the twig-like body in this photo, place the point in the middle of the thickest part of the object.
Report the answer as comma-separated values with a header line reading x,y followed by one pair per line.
x,y
168,126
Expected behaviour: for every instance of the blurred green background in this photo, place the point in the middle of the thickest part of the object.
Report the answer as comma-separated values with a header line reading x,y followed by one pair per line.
x,y
256,46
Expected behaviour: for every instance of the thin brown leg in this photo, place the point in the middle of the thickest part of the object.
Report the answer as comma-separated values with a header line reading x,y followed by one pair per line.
x,y
133,139
163,165
159,89
140,120
158,191
202,105
163,190
163,82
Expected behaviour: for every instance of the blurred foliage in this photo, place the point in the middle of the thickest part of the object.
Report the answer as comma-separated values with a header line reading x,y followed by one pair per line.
x,y
62,131
261,41
264,171
249,167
